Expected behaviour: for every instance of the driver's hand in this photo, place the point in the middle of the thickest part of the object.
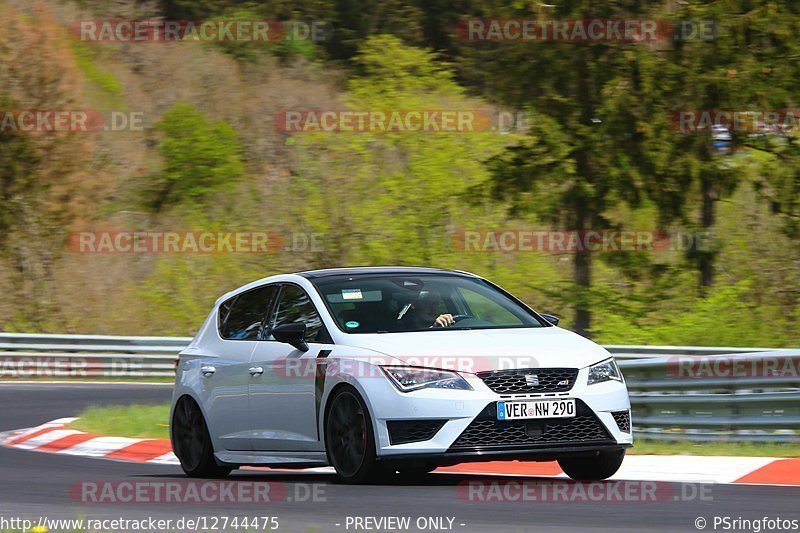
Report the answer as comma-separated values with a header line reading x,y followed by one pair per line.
x,y
444,320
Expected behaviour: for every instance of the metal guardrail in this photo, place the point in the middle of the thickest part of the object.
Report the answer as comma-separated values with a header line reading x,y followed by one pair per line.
x,y
677,392
644,352
744,396
40,356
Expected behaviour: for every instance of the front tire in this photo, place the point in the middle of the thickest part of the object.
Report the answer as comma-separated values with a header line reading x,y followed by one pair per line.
x,y
191,442
602,466
350,439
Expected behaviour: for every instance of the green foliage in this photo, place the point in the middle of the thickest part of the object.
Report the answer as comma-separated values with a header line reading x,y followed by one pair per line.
x,y
601,133
197,9
290,49
284,12
774,163
728,317
241,50
85,58
201,157
384,197
180,289
16,173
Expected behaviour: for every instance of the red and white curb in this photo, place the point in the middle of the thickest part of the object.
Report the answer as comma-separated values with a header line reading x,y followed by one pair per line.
x,y
57,437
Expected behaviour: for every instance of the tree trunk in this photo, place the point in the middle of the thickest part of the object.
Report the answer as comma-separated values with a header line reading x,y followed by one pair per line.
x,y
581,198
705,258
583,283
582,273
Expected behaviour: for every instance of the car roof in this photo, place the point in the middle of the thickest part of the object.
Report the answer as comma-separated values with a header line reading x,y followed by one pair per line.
x,y
381,270
332,273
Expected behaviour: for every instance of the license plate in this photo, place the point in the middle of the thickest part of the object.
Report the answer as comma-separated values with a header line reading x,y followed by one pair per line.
x,y
526,410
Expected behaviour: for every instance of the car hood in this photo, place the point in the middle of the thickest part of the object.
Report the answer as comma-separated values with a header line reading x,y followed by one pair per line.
x,y
487,349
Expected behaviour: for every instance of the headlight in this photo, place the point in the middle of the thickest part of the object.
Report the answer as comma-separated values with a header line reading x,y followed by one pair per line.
x,y
604,371
409,378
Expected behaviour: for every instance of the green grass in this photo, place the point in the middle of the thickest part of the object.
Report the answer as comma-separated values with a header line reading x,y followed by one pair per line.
x,y
740,449
150,421
135,421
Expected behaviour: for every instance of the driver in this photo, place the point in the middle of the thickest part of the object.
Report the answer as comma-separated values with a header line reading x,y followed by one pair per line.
x,y
425,312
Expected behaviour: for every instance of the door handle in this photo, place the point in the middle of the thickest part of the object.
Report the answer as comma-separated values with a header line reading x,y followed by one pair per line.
x,y
207,370
256,371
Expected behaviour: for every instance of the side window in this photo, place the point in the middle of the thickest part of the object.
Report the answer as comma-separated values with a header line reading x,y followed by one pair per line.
x,y
246,313
293,306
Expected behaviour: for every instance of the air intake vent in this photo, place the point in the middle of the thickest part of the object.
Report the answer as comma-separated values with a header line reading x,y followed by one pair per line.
x,y
405,431
623,420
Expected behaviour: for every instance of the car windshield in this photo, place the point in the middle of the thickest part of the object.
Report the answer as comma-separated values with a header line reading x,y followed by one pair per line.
x,y
391,304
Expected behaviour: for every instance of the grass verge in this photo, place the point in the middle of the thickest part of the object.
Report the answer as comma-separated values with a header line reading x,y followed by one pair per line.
x,y
135,421
150,421
732,448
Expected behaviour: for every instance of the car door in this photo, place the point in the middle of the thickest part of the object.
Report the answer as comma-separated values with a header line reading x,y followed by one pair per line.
x,y
283,406
224,372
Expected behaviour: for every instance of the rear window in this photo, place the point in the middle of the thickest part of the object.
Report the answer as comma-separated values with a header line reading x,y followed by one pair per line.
x,y
241,316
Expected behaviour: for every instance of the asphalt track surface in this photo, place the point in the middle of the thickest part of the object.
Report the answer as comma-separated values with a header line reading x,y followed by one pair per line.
x,y
34,484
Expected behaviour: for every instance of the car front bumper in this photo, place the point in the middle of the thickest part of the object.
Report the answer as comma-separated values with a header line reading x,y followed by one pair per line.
x,y
462,426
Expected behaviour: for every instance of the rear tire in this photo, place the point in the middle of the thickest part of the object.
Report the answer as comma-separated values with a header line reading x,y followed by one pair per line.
x,y
602,466
191,442
350,439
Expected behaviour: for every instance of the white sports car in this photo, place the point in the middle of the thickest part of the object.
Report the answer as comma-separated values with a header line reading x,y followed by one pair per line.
x,y
383,370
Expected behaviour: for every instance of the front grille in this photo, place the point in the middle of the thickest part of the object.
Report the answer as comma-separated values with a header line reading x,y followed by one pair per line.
x,y
405,431
486,432
623,420
515,381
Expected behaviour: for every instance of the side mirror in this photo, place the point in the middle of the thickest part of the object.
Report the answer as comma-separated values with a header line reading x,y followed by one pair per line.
x,y
293,334
550,318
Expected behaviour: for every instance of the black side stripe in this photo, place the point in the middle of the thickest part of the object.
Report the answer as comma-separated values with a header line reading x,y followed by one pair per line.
x,y
319,382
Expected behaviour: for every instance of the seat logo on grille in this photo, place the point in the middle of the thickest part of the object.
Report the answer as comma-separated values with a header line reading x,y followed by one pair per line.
x,y
531,380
